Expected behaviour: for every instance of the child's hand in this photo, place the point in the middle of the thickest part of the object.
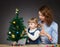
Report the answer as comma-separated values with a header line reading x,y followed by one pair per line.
x,y
25,30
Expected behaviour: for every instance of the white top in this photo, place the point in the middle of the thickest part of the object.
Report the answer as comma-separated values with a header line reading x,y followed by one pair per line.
x,y
35,36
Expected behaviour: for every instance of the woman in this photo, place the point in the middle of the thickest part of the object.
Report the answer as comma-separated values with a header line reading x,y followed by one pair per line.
x,y
49,26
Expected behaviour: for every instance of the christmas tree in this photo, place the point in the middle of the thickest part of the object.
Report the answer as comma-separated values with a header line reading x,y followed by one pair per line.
x,y
16,28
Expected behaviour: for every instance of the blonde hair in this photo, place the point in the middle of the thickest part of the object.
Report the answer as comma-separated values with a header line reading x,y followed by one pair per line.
x,y
33,20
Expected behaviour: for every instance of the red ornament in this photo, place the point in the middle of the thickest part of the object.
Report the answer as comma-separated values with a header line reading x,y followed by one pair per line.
x,y
46,45
52,45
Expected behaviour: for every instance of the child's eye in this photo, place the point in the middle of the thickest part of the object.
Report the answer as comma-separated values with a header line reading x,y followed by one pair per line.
x,y
28,23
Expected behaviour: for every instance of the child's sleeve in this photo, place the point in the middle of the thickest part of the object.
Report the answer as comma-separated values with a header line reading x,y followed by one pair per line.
x,y
35,36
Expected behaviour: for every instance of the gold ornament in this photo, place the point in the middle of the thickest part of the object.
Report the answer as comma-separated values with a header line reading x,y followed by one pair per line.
x,y
14,22
13,36
21,35
9,32
17,10
23,32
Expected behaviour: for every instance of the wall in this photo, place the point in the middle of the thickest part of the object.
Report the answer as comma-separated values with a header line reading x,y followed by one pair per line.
x,y
28,9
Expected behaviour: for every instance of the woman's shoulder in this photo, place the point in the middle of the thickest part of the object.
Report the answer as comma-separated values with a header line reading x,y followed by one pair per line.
x,y
54,24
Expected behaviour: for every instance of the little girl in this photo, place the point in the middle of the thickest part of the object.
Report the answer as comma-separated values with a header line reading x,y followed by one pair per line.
x,y
33,32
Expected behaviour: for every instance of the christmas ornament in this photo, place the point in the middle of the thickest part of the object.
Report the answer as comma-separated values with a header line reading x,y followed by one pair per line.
x,y
13,36
21,35
17,32
52,45
17,10
9,32
46,45
14,22
23,32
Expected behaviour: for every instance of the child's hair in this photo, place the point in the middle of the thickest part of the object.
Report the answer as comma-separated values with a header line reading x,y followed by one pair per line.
x,y
33,20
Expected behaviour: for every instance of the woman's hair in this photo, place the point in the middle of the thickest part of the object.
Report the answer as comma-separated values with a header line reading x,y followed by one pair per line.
x,y
33,20
47,12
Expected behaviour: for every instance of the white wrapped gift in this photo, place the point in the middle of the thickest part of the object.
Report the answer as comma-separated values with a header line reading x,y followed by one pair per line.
x,y
22,41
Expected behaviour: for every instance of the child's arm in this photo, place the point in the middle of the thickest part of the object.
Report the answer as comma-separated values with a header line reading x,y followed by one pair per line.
x,y
35,36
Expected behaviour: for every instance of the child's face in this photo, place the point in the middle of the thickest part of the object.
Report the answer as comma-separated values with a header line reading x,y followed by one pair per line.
x,y
41,16
32,25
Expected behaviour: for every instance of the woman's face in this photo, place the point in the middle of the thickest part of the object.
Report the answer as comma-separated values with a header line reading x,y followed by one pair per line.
x,y
42,18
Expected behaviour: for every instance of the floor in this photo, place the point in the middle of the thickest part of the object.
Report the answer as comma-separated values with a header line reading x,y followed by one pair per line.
x,y
41,45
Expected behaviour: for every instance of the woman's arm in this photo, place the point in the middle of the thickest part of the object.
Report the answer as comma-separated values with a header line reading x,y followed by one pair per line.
x,y
54,33
49,36
43,33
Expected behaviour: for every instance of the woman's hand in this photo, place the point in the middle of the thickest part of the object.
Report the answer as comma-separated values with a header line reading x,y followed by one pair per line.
x,y
43,33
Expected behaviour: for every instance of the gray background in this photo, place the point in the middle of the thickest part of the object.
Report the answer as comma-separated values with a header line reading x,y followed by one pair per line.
x,y
28,9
